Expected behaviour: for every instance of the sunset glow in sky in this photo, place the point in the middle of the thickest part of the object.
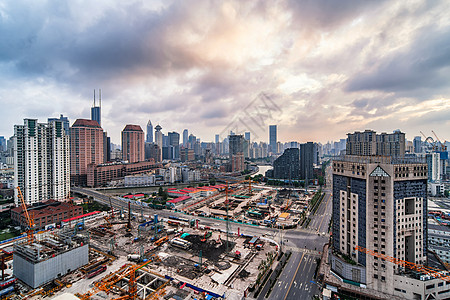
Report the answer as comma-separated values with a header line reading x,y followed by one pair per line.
x,y
332,67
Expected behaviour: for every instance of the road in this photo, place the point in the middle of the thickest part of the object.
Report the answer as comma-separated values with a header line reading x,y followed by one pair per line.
x,y
320,220
295,280
305,244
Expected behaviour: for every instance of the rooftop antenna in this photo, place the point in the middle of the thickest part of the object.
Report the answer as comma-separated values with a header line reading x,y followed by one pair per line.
x,y
94,97
100,97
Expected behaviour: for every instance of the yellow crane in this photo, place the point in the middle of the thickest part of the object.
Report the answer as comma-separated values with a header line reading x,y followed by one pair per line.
x,y
408,265
30,221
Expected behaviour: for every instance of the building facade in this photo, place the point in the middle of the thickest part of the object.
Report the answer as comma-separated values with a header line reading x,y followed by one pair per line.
x,y
417,143
273,138
287,166
439,241
236,152
149,138
371,143
380,203
133,148
159,140
41,161
433,162
100,175
306,160
174,145
86,147
49,212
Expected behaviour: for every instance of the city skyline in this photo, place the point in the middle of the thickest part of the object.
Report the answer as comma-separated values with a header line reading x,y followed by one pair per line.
x,y
332,68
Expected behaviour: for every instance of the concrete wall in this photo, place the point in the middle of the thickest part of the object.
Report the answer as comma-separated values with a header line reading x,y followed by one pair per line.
x,y
35,275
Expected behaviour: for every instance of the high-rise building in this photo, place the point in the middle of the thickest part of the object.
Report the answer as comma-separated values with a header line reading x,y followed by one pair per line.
x,y
41,161
433,163
247,135
86,147
217,138
185,137
417,144
64,120
287,166
159,141
152,151
106,147
174,145
2,144
133,144
96,114
149,138
370,143
306,161
273,138
236,152
380,204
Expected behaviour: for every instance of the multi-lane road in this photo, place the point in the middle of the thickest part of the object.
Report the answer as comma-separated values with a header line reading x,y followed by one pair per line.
x,y
296,279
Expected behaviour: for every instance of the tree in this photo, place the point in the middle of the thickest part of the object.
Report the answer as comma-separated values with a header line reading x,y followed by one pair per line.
x,y
446,193
321,180
212,181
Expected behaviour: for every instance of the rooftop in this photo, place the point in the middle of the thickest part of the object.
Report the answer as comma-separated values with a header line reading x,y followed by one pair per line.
x,y
48,207
130,127
86,123
380,159
179,199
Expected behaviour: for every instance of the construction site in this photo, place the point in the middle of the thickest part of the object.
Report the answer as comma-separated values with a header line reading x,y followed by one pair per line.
x,y
124,255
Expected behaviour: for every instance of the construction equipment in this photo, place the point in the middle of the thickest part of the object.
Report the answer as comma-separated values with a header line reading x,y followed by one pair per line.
x,y
440,274
443,147
108,223
161,241
30,221
207,235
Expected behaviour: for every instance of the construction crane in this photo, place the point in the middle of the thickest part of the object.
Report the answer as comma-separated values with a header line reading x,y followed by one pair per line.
x,y
440,274
443,147
127,270
30,221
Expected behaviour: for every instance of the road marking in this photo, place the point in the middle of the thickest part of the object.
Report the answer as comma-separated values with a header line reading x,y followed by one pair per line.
x,y
318,230
299,263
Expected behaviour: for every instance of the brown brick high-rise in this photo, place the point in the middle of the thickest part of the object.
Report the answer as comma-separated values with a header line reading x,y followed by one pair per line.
x,y
133,144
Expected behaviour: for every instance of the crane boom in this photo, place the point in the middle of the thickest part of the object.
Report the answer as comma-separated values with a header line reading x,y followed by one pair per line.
x,y
406,264
30,221
443,148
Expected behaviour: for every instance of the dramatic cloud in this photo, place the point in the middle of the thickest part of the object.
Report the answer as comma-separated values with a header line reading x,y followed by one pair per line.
x,y
329,66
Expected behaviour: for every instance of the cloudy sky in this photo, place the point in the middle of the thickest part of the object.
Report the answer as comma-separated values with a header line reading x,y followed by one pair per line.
x,y
317,68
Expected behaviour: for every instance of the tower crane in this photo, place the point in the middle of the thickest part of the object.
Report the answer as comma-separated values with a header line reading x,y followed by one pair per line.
x,y
128,270
30,221
440,274
443,147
